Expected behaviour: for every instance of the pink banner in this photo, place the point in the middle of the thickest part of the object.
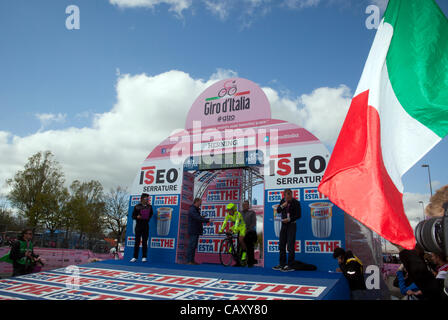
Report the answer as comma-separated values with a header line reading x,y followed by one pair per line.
x,y
58,258
390,269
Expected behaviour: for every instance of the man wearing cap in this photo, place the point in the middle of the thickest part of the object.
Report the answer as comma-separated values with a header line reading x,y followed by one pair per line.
x,y
142,214
239,226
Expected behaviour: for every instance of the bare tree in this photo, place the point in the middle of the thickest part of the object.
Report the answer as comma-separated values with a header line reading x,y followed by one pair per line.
x,y
116,212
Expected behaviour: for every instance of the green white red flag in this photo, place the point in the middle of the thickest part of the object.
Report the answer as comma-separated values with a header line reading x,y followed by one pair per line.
x,y
398,113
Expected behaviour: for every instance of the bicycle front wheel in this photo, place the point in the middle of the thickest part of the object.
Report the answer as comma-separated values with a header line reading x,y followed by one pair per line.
x,y
225,254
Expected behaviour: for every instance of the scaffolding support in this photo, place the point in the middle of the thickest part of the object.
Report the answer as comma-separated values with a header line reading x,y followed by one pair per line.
x,y
250,178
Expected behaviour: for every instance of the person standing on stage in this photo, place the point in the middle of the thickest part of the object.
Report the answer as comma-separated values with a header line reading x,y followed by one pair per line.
x,y
142,214
195,229
290,210
250,219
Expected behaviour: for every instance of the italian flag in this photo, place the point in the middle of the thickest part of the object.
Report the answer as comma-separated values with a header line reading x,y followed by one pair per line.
x,y
399,112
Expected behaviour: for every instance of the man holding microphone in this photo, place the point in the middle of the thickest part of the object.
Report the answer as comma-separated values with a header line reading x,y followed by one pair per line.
x,y
290,211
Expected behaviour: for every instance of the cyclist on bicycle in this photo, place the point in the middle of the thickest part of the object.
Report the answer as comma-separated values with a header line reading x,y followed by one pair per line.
x,y
239,226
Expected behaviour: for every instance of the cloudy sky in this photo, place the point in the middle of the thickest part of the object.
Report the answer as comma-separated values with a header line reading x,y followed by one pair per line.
x,y
102,93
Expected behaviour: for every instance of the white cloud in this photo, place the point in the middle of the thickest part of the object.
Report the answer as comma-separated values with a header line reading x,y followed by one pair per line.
x,y
322,112
223,74
220,8
254,9
245,11
47,119
412,207
83,115
301,4
148,109
177,6
382,4
435,184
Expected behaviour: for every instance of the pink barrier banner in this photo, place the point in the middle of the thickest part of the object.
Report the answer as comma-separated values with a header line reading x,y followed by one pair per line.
x,y
58,258
390,269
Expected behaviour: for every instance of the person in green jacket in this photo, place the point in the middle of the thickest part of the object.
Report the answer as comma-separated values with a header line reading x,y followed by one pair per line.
x,y
239,226
21,255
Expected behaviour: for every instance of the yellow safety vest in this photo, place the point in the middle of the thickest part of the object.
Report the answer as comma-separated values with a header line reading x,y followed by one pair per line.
x,y
355,258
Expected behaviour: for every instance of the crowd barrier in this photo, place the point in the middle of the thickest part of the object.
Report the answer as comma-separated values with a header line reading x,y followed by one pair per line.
x,y
390,269
58,258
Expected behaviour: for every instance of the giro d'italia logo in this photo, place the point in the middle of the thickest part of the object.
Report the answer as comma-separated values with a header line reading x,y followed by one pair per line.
x,y
229,89
228,100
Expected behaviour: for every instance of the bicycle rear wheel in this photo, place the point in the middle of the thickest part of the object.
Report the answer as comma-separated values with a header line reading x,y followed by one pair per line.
x,y
225,255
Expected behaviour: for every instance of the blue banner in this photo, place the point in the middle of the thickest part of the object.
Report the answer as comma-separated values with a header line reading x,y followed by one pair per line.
x,y
163,228
319,230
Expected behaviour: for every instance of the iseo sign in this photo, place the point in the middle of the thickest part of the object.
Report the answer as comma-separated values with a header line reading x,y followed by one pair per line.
x,y
153,179
303,169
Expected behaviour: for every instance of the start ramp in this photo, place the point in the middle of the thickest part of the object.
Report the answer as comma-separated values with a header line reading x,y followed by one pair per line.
x,y
121,280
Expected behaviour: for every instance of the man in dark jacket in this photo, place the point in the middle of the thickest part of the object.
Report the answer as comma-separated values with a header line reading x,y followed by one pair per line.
x,y
142,214
290,211
195,229
353,271
250,219
432,288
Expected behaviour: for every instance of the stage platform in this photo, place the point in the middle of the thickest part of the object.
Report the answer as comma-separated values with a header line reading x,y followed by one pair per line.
x,y
122,280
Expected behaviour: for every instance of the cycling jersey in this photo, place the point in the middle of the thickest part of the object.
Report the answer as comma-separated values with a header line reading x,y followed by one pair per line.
x,y
239,225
